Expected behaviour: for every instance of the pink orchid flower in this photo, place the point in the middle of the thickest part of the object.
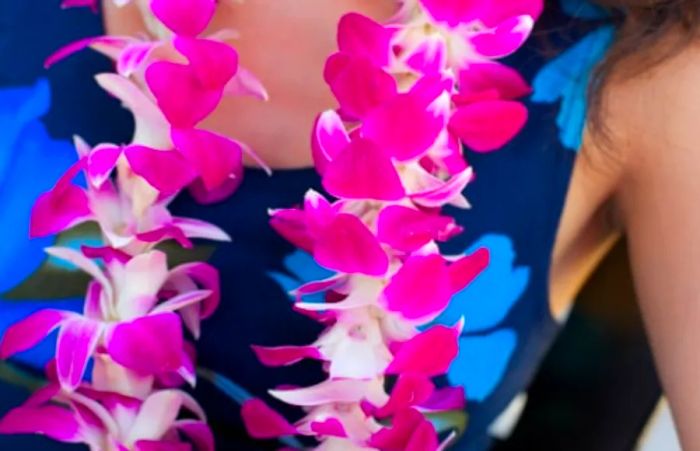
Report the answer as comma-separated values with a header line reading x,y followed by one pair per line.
x,y
130,316
107,421
130,210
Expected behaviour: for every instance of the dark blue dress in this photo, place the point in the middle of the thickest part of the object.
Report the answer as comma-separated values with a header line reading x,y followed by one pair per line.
x,y
517,201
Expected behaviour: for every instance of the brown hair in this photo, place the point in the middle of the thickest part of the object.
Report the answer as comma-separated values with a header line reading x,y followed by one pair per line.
x,y
644,26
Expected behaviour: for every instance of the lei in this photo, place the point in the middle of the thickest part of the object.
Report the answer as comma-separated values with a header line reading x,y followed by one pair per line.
x,y
410,93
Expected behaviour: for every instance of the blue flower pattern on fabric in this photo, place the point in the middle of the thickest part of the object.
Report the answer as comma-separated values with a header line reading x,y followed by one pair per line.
x,y
567,76
485,349
30,163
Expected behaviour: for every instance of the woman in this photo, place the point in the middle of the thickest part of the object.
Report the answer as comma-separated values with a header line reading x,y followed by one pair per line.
x,y
547,214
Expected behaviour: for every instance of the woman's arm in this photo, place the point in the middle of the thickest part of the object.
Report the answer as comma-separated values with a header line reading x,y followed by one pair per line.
x,y
655,122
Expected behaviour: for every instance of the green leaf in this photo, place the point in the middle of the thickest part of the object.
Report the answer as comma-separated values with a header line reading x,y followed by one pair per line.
x,y
55,280
452,420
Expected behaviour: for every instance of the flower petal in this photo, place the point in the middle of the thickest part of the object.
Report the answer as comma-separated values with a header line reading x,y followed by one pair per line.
x,y
198,432
164,170
363,170
191,104
488,125
329,139
410,390
262,422
358,84
403,127
409,431
285,355
464,270
156,416
77,340
28,332
185,17
214,63
429,353
359,35
215,157
148,345
194,228
330,391
101,162
504,39
407,229
205,276
347,245
420,289
54,422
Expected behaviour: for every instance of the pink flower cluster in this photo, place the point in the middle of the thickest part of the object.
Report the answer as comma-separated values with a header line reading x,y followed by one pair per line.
x,y
131,327
410,94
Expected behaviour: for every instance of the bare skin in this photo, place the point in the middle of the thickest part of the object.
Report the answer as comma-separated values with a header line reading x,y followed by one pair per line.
x,y
643,183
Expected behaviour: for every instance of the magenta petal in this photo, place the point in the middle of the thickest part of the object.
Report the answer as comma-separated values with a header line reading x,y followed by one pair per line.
x,y
285,355
420,289
447,398
204,196
134,56
216,158
101,162
28,332
452,12
214,63
363,170
55,422
185,17
77,340
328,140
330,427
61,208
191,104
497,12
149,345
487,126
410,431
407,229
161,445
424,438
165,233
358,84
165,170
347,245
430,57
465,270
262,422
429,353
505,39
361,36
198,433
480,77
445,192
402,127
292,226
410,390
76,46
207,277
